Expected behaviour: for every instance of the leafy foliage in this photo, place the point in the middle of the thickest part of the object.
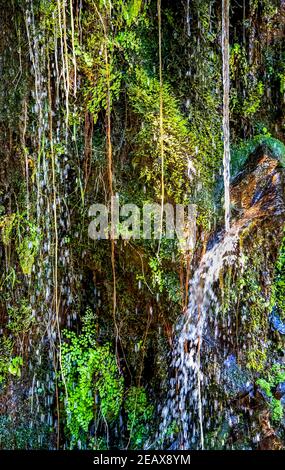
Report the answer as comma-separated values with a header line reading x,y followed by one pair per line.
x,y
94,387
273,378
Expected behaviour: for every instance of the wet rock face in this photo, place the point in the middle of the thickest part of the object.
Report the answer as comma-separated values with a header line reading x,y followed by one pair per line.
x,y
258,199
269,440
258,217
258,190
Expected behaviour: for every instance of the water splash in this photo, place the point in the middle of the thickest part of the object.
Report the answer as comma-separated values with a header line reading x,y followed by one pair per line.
x,y
187,397
226,112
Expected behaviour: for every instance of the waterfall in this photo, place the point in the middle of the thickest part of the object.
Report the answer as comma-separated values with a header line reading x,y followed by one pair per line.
x,y
226,114
187,398
52,275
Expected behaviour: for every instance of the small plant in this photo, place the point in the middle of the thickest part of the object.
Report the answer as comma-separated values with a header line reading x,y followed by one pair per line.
x,y
140,413
94,387
28,249
15,366
274,377
28,241
6,351
8,363
131,10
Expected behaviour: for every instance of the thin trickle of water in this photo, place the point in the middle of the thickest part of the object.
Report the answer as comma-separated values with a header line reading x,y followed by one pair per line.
x,y
188,25
50,187
226,107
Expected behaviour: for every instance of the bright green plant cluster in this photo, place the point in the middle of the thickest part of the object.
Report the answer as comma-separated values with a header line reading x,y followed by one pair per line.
x,y
7,224
242,150
273,378
9,364
27,238
15,366
93,385
131,10
28,249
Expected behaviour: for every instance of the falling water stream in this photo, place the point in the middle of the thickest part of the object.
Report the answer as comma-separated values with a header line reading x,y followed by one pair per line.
x,y
188,26
187,398
226,114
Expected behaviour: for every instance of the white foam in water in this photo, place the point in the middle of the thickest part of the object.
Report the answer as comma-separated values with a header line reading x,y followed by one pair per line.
x,y
185,398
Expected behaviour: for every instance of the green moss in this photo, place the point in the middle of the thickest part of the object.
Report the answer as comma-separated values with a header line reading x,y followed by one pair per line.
x,y
27,251
20,318
252,104
131,10
244,300
7,223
